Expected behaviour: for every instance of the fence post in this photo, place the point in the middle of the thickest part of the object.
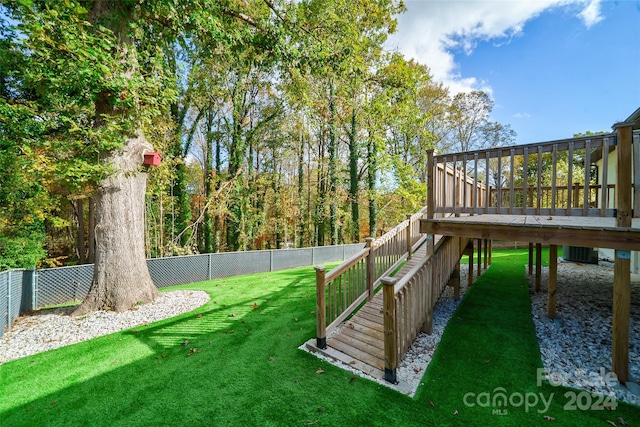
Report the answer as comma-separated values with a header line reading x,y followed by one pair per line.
x,y
371,266
9,300
321,308
34,288
270,260
409,245
209,266
390,332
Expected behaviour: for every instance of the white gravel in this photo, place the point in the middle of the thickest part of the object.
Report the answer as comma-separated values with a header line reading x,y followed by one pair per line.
x,y
48,329
576,345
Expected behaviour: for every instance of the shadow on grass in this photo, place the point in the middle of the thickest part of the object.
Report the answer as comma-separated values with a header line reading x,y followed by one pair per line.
x,y
241,366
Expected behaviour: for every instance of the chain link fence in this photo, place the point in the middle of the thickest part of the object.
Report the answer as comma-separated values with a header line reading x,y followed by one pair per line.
x,y
25,290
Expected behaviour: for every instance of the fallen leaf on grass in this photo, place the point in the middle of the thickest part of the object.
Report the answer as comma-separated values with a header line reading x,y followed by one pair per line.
x,y
193,351
431,403
254,306
272,359
612,423
320,371
548,418
455,412
199,316
487,361
185,343
295,319
352,379
622,421
232,315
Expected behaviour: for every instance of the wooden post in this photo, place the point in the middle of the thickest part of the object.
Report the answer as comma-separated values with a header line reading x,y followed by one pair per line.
x,y
371,267
479,257
409,245
576,193
470,277
486,253
490,250
390,341
530,258
538,265
622,265
321,308
454,281
553,280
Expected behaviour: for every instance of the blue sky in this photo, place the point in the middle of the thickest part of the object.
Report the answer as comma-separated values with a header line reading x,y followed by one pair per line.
x,y
553,68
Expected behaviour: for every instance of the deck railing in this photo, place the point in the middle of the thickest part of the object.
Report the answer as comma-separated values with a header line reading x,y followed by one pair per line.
x,y
568,177
408,302
343,289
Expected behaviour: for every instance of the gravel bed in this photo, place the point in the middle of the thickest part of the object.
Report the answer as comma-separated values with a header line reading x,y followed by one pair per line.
x,y
576,345
45,330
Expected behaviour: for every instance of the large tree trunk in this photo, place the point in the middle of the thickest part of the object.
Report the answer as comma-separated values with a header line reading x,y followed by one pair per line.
x,y
121,278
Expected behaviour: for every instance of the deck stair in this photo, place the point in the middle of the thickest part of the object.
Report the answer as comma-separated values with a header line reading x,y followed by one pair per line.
x,y
359,341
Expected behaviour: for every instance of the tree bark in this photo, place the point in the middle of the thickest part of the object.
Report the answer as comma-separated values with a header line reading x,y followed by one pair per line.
x,y
354,155
121,277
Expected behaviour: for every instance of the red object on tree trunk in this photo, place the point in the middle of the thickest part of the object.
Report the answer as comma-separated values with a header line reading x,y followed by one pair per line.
x,y
152,158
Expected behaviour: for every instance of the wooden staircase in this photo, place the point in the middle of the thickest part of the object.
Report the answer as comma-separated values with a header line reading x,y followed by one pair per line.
x,y
359,341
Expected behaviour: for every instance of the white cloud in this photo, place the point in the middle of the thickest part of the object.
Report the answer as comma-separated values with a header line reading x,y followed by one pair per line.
x,y
522,115
591,14
431,31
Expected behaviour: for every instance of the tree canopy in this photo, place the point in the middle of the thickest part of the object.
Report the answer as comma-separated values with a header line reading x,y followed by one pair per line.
x,y
278,122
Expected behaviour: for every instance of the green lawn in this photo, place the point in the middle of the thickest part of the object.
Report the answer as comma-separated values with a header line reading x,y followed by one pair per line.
x,y
242,366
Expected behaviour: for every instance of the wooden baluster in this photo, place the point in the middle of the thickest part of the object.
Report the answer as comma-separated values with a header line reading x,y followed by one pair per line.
x,y
604,195
554,177
587,178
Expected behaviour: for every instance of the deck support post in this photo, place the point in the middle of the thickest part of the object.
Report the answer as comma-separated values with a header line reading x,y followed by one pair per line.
x,y
622,266
371,265
553,280
538,266
530,258
479,257
390,332
321,308
454,281
470,275
490,250
486,253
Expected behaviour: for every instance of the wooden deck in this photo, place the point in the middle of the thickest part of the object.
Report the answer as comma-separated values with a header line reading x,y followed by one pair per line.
x,y
597,232
359,341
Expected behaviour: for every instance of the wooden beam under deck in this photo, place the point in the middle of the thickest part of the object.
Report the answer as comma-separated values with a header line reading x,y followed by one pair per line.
x,y
599,232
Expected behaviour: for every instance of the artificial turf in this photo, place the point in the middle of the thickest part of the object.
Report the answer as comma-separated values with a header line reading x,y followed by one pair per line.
x,y
235,361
